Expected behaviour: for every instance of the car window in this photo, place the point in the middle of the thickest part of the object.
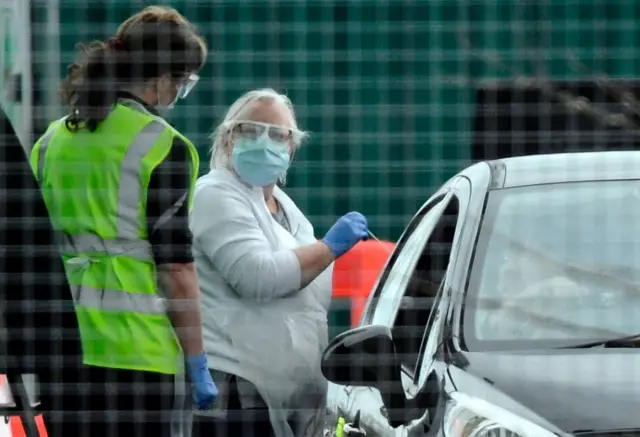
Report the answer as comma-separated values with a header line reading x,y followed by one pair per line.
x,y
427,274
555,265
433,336
407,295
382,305
387,296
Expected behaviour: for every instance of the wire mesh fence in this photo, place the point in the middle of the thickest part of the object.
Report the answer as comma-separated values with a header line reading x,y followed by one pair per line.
x,y
397,95
389,90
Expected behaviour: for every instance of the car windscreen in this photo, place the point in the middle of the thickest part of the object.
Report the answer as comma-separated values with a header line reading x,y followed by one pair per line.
x,y
555,265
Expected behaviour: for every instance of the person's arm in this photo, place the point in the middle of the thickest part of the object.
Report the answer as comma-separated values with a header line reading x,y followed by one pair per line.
x,y
224,226
170,238
314,259
181,281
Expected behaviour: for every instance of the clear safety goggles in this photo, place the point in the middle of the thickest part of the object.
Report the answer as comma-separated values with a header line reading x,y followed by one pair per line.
x,y
257,129
187,85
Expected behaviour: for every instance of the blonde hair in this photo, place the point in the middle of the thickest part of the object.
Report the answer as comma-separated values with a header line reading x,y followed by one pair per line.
x,y
221,137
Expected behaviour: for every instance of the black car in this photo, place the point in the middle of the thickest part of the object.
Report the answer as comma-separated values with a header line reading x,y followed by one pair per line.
x,y
510,308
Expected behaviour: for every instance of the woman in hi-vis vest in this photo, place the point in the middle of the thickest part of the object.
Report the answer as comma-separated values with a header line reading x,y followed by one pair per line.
x,y
118,181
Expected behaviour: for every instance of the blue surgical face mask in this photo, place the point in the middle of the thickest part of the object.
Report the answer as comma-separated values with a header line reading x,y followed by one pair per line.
x,y
260,161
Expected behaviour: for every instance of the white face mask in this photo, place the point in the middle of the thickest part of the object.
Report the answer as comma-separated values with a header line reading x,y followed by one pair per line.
x,y
164,108
182,91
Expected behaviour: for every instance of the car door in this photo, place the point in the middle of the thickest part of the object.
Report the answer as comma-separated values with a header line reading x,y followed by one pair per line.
x,y
393,304
432,336
436,267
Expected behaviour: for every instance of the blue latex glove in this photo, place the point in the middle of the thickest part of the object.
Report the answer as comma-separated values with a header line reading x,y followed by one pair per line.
x,y
346,233
203,389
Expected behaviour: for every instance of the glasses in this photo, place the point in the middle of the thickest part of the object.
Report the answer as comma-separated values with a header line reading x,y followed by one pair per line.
x,y
188,83
257,129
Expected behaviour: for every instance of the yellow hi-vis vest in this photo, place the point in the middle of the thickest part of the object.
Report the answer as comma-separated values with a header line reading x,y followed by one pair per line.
x,y
95,187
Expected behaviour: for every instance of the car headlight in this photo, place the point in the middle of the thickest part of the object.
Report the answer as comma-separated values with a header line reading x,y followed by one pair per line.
x,y
467,416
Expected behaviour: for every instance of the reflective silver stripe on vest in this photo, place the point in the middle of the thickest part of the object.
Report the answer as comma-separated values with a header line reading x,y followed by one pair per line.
x,y
168,214
87,243
116,300
130,191
136,106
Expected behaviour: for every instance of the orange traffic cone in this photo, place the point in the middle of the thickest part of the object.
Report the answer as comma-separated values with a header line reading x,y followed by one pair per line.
x,y
15,423
17,430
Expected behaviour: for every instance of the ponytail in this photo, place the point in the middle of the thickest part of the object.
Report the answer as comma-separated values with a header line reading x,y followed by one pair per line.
x,y
90,87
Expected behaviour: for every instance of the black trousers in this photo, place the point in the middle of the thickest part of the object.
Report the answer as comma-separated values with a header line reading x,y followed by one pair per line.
x,y
99,402
250,420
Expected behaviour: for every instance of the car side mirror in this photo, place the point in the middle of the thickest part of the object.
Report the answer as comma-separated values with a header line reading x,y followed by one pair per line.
x,y
366,356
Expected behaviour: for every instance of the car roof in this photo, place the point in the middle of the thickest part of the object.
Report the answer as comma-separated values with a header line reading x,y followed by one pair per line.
x,y
565,167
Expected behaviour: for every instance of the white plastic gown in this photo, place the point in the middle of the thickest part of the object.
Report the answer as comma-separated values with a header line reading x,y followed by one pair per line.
x,y
275,344
281,357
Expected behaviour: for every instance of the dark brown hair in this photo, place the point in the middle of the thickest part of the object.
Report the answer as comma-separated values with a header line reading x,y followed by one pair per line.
x,y
152,43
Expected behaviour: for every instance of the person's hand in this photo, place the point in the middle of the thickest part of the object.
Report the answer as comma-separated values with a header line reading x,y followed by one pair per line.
x,y
203,389
346,233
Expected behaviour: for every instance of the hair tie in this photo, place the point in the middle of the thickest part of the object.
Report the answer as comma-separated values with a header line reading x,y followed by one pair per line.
x,y
115,44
